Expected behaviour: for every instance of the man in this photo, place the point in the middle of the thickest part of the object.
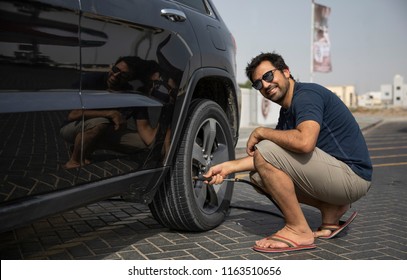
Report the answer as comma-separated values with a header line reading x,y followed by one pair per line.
x,y
108,127
316,155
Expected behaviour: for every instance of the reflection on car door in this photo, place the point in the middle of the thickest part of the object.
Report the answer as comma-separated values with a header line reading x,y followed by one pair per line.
x,y
39,84
135,55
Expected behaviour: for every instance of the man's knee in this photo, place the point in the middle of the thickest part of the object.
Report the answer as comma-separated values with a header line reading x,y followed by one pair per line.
x,y
257,159
264,153
97,131
96,122
261,164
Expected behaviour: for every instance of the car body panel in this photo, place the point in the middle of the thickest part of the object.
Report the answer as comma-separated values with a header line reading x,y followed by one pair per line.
x,y
57,56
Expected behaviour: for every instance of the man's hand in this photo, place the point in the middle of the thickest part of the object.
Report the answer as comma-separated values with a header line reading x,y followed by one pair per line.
x,y
216,174
116,118
254,138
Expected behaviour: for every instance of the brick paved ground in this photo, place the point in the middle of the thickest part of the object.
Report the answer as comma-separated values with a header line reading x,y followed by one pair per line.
x,y
114,229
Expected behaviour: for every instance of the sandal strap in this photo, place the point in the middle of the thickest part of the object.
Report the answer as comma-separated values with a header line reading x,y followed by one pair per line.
x,y
330,227
289,242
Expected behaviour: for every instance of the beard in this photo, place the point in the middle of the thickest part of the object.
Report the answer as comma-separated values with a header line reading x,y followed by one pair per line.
x,y
281,92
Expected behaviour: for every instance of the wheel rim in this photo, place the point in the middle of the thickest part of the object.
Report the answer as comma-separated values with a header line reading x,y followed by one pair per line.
x,y
210,147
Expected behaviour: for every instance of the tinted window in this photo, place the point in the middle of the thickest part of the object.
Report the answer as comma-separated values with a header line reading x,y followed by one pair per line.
x,y
199,5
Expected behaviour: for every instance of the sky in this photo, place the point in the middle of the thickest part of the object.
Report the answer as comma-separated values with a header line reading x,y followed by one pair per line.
x,y
368,38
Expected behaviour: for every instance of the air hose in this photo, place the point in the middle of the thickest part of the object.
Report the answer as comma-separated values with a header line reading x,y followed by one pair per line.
x,y
202,178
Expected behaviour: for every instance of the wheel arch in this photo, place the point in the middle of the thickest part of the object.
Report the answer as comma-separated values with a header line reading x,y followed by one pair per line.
x,y
213,84
217,86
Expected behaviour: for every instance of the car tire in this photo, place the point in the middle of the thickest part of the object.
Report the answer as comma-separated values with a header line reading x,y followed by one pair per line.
x,y
182,203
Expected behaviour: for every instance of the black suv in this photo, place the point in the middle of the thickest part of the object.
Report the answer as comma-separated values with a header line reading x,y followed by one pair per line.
x,y
115,98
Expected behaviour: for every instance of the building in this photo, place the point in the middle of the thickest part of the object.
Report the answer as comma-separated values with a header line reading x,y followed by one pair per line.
x,y
347,94
372,99
390,95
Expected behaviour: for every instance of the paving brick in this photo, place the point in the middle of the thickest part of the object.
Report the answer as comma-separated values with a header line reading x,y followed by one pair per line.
x,y
178,247
222,239
301,255
329,247
169,255
365,255
131,255
148,248
235,252
115,229
58,255
202,254
50,240
96,244
31,247
255,256
328,255
212,246
396,253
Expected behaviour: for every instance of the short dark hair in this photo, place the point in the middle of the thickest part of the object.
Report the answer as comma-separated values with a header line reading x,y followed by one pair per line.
x,y
276,59
139,68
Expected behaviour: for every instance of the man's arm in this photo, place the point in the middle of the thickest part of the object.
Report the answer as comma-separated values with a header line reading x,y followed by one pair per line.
x,y
218,172
147,133
302,139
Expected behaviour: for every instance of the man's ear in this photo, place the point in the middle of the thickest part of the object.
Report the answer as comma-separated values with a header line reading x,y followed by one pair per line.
x,y
287,73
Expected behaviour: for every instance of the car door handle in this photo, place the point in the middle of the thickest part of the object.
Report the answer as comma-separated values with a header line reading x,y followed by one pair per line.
x,y
173,15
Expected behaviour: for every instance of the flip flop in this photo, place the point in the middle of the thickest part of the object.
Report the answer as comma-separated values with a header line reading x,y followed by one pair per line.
x,y
292,246
336,229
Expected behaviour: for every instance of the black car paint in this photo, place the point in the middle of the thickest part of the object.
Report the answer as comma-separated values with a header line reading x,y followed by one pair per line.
x,y
47,51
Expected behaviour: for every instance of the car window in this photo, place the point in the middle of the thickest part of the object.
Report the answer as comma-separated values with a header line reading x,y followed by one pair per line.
x,y
200,5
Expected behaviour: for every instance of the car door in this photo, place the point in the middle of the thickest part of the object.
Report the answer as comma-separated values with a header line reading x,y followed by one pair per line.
x,y
39,84
157,45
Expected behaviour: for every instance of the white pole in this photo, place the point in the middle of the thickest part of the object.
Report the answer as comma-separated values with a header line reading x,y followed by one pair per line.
x,y
312,41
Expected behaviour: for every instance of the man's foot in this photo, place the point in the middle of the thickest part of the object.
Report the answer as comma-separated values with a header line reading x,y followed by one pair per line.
x,y
328,231
74,164
331,214
286,240
291,245
71,165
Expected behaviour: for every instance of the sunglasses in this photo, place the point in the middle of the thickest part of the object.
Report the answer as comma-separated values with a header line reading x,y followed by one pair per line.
x,y
268,77
124,75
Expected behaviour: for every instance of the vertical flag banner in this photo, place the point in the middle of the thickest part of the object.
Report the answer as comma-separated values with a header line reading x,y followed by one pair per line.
x,y
321,44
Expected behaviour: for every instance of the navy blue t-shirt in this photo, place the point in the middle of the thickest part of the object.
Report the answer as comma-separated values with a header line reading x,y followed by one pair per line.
x,y
339,135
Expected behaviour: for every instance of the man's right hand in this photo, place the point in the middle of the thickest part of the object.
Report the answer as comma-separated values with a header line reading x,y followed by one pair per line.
x,y
116,118
216,174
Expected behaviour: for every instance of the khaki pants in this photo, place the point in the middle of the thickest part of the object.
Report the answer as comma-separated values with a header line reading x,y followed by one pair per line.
x,y
317,174
124,139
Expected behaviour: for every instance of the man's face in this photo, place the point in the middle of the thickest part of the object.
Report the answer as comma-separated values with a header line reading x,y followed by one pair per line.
x,y
118,76
276,89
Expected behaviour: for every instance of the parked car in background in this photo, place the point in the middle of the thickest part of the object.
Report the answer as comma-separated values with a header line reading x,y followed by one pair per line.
x,y
110,98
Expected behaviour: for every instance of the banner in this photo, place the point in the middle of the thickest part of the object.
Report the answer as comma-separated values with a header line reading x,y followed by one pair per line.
x,y
321,43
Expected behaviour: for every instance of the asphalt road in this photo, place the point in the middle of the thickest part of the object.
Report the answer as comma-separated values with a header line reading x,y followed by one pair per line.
x,y
114,229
